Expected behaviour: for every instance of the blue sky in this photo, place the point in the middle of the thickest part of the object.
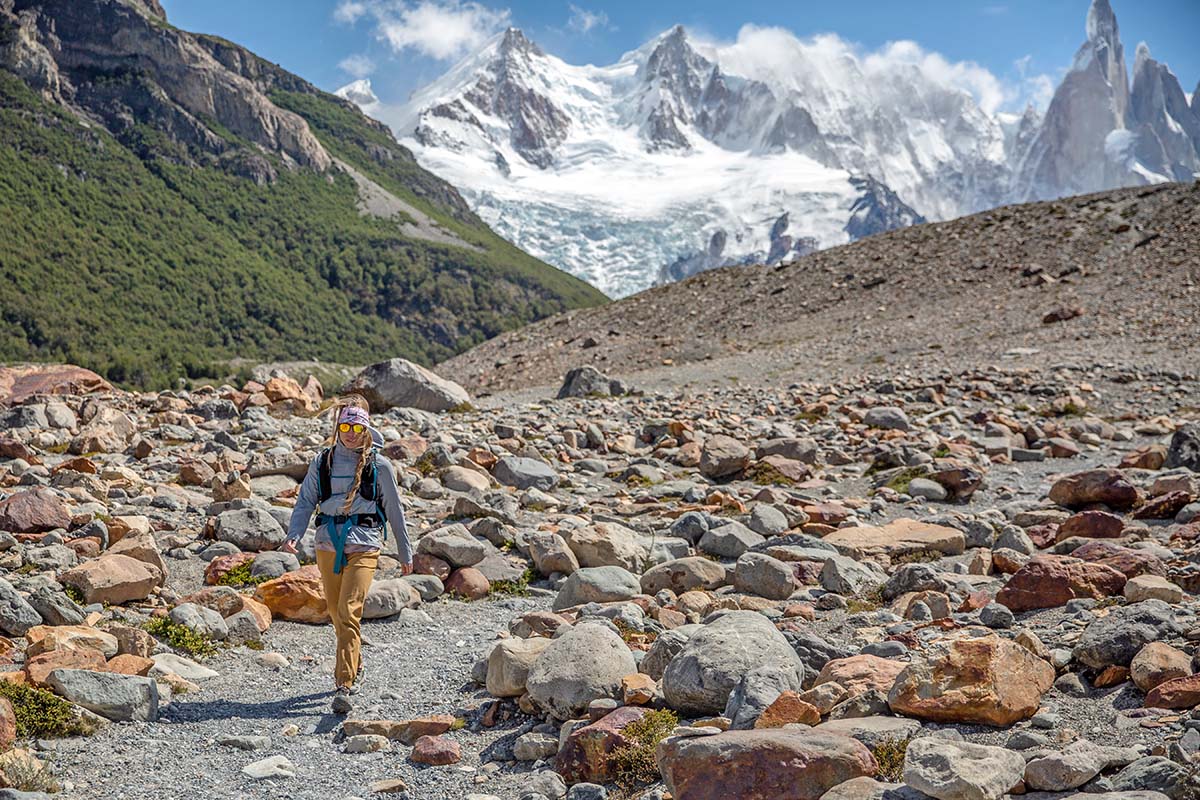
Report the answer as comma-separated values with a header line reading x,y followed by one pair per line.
x,y
402,44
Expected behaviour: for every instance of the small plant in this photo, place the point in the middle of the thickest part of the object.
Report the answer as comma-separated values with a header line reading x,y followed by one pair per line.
x,y
462,408
902,480
889,755
916,557
867,601
240,576
810,417
75,593
635,480
255,644
458,724
518,588
633,763
765,474
41,714
632,636
425,465
941,451
25,773
181,637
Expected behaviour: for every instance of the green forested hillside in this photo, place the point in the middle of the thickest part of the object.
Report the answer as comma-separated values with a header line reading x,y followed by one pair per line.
x,y
138,258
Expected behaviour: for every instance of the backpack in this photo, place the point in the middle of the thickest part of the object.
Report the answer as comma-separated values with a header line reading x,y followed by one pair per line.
x,y
368,488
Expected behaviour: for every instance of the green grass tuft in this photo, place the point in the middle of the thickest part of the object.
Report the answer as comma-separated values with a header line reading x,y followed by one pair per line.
x,y
42,714
633,763
889,755
240,576
180,637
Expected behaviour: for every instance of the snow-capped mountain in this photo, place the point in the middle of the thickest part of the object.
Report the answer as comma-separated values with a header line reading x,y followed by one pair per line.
x,y
684,156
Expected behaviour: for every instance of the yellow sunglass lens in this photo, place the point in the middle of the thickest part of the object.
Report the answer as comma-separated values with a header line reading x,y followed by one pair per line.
x,y
345,427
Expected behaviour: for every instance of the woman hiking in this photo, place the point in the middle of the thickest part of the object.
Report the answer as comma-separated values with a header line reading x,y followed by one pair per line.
x,y
355,496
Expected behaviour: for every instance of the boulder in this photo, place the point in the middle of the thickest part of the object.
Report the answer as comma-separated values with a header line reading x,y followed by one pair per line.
x,y
702,675
1049,581
204,621
33,511
387,598
607,544
683,575
297,596
723,456
401,383
113,579
550,553
950,770
509,663
17,616
454,545
250,529
1107,486
897,537
756,573
1184,450
861,673
121,698
986,680
1116,638
772,764
585,663
730,540
586,755
1157,663
586,381
597,585
525,473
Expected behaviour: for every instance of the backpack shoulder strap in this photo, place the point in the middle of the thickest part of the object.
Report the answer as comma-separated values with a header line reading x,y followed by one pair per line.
x,y
324,475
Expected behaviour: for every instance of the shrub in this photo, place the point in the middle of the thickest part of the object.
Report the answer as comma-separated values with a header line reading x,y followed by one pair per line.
x,y
633,763
240,576
75,593
181,637
869,600
889,755
25,773
41,714
519,587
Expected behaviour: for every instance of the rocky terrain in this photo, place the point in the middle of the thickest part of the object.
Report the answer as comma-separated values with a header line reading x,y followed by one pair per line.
x,y
948,583
1111,277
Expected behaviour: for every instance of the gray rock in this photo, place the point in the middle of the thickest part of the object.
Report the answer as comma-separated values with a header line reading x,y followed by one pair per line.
x,y
730,540
587,791
700,678
525,473
273,564
250,529
756,573
1015,538
915,578
273,767
887,418
218,549
1074,766
756,690
767,520
387,598
245,742
202,620
401,383
1117,637
430,587
1184,450
1157,774
930,490
813,651
873,731
723,456
597,585
242,627
845,575
690,526
16,615
950,770
121,698
586,662
533,746
55,608
665,647
586,381
546,783
995,615
453,544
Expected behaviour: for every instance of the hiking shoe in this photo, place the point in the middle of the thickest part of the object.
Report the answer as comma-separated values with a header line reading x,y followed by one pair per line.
x,y
341,702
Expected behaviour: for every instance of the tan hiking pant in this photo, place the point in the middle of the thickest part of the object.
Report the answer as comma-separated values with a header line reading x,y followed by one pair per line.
x,y
344,596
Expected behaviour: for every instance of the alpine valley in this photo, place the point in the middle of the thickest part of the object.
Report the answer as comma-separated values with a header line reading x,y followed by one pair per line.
x,y
685,156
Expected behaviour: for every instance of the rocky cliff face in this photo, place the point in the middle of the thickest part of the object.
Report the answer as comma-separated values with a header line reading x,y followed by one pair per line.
x,y
119,62
877,210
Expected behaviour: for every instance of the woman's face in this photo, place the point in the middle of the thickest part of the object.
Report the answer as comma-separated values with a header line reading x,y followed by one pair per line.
x,y
351,439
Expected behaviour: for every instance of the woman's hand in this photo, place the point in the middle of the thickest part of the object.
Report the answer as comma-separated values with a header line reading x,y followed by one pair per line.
x,y
288,546
406,569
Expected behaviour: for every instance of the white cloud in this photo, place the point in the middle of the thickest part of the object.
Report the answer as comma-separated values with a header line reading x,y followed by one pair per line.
x,y
439,29
583,20
349,11
1036,89
357,65
779,57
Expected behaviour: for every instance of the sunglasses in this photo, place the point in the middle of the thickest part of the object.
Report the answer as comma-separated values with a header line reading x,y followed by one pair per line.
x,y
346,427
